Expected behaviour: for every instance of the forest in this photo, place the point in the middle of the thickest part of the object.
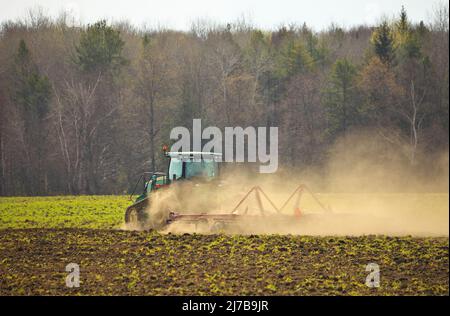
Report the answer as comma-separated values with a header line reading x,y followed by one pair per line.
x,y
85,109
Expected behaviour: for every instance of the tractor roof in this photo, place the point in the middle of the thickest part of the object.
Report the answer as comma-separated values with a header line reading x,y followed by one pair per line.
x,y
193,154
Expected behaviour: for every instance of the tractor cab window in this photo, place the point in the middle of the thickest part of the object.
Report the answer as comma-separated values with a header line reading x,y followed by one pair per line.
x,y
175,168
204,168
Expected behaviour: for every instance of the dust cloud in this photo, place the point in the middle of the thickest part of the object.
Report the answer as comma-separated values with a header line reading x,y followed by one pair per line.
x,y
366,186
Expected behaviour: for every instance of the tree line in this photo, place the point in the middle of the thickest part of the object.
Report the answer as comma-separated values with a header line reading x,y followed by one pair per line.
x,y
84,109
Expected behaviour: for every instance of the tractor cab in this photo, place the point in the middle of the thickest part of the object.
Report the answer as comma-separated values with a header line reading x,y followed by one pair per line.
x,y
182,166
188,165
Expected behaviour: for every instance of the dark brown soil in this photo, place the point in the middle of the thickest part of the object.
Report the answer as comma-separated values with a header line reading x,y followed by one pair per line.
x,y
33,261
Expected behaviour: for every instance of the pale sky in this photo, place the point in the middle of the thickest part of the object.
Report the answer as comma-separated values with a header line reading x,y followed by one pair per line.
x,y
179,14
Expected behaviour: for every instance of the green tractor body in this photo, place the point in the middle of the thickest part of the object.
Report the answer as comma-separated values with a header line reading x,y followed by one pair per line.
x,y
182,166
